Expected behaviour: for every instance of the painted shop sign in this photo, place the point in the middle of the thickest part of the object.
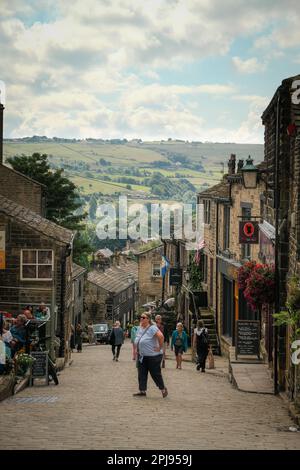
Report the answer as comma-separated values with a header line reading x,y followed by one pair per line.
x,y
175,277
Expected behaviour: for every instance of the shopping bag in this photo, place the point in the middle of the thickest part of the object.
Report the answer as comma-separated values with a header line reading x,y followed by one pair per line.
x,y
210,360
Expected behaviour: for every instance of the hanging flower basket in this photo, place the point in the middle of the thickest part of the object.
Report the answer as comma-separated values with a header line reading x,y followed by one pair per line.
x,y
260,286
244,273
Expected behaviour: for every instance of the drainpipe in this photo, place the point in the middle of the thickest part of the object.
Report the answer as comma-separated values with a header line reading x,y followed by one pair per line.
x,y
164,278
277,278
63,264
217,273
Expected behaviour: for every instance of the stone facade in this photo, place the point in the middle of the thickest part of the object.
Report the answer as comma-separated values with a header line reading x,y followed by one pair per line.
x,y
282,158
22,190
224,206
149,275
110,294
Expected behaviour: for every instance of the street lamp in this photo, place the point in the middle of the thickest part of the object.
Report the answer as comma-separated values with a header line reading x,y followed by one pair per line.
x,y
250,173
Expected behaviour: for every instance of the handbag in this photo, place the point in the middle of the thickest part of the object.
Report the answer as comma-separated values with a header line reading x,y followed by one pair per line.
x,y
137,348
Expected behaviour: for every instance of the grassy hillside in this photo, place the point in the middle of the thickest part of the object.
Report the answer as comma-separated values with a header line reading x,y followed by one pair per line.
x,y
199,163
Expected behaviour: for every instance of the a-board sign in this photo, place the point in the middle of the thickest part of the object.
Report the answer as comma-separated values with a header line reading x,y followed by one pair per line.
x,y
247,338
40,365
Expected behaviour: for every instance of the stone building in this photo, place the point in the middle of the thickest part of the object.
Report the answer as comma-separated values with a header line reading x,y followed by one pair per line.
x,y
281,216
149,273
36,266
111,293
23,190
225,205
78,278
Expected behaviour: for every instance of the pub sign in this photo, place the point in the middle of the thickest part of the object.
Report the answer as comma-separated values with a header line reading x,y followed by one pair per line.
x,y
248,232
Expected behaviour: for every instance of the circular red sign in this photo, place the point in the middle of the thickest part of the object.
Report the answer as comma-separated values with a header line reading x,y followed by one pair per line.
x,y
248,229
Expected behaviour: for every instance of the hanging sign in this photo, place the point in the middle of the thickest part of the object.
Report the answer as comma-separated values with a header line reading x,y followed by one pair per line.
x,y
248,232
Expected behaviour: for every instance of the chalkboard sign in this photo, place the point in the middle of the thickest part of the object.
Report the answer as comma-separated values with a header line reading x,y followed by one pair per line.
x,y
40,365
247,338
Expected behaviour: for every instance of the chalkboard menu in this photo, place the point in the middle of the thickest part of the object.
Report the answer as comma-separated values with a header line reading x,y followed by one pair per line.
x,y
40,365
247,337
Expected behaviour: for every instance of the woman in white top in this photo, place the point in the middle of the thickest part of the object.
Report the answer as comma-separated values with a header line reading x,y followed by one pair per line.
x,y
149,345
201,344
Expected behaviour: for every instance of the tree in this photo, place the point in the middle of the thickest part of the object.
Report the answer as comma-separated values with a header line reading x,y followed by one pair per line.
x,y
63,205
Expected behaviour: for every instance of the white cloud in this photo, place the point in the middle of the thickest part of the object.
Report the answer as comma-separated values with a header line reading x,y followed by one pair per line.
x,y
81,73
248,66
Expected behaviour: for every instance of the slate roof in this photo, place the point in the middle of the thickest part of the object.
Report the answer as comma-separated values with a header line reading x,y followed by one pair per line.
x,y
220,190
77,270
106,252
34,221
116,278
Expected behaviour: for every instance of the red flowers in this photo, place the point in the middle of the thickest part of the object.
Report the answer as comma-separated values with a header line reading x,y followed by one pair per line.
x,y
258,283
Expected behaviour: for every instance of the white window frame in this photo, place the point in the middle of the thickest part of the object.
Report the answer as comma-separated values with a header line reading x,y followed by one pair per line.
x,y
153,264
36,264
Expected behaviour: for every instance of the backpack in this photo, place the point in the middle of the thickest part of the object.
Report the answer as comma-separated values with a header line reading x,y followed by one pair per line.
x,y
202,339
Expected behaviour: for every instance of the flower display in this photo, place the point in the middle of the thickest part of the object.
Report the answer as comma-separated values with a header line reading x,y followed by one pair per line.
x,y
258,283
244,273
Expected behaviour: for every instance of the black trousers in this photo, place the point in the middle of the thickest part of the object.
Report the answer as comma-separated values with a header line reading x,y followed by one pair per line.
x,y
202,354
113,348
150,364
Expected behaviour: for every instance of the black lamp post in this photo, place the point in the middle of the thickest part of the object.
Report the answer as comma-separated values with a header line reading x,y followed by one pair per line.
x,y
250,174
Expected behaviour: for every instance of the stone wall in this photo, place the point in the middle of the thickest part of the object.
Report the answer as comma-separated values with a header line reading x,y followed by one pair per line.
x,y
22,190
150,287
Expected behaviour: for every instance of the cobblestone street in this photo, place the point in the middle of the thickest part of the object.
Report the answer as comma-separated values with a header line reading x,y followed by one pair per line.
x,y
93,408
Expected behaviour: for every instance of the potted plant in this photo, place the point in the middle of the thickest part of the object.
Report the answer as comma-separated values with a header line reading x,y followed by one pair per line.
x,y
23,362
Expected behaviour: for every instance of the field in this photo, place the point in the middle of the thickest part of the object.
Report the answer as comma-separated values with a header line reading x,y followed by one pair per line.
x,y
81,161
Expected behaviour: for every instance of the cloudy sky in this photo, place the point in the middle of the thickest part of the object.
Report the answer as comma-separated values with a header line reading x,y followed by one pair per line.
x,y
154,69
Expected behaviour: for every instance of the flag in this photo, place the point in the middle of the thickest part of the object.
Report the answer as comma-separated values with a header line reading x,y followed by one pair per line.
x,y
200,246
165,265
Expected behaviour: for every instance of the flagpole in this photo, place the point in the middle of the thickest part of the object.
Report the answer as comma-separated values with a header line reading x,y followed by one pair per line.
x,y
163,278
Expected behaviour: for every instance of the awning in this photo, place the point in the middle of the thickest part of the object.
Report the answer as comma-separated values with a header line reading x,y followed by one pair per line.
x,y
268,230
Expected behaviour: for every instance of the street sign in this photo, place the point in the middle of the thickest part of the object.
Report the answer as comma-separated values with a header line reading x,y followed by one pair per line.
x,y
175,277
247,338
248,232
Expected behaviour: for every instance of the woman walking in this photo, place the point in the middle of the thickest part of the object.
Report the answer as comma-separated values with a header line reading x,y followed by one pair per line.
x,y
79,332
149,346
201,344
179,343
116,340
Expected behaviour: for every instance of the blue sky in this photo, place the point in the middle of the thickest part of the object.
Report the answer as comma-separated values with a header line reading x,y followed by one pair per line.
x,y
188,69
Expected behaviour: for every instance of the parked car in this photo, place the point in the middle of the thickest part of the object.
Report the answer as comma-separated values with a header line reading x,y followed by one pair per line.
x,y
102,333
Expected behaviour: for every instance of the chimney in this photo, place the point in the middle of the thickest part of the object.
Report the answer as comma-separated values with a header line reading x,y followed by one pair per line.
x,y
240,166
231,164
